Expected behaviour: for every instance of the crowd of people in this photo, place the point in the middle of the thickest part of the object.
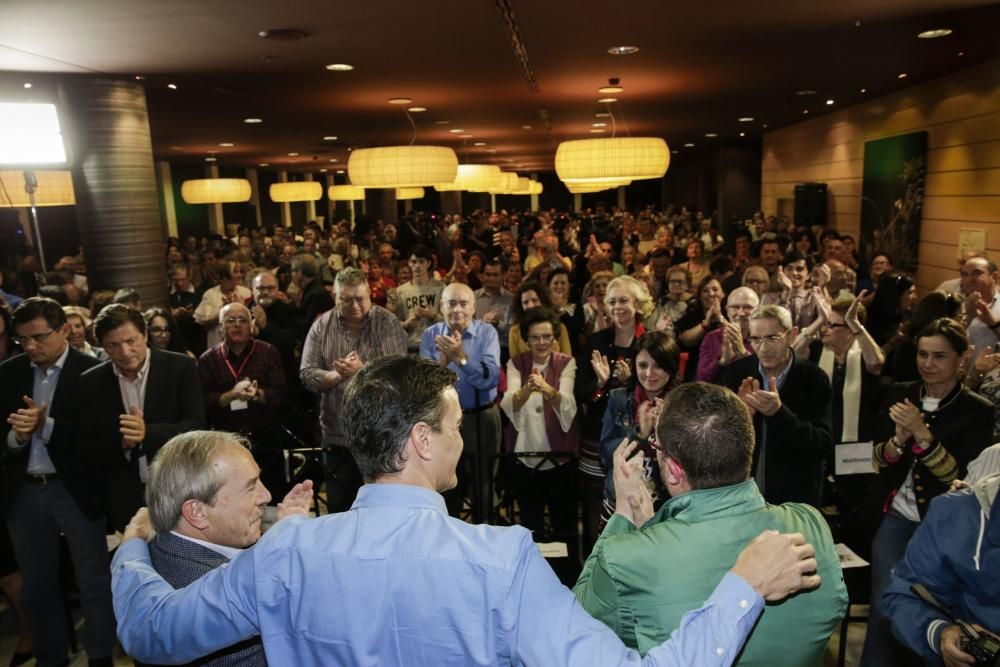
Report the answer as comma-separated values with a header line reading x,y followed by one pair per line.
x,y
639,385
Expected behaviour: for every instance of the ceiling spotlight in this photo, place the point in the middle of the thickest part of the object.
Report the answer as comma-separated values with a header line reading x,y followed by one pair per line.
x,y
293,155
934,33
805,92
322,171
829,103
252,121
465,136
340,171
602,114
902,75
628,50
479,143
610,90
27,85
675,152
417,109
333,159
607,100
340,67
329,138
746,119
596,130
264,164
210,159
172,86
805,111
864,90
599,124
139,77
743,134
525,127
689,145
711,135
400,100
491,150
456,130
961,53
441,121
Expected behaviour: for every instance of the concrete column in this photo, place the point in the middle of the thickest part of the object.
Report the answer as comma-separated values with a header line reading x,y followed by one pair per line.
x,y
577,202
167,188
216,218
310,205
107,128
621,197
286,210
251,175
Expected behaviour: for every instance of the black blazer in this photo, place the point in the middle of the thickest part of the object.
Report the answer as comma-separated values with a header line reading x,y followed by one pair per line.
x,y
796,439
181,562
84,481
173,404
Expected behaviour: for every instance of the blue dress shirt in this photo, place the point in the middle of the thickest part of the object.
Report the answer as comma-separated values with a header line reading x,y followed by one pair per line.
x,y
478,379
43,389
396,581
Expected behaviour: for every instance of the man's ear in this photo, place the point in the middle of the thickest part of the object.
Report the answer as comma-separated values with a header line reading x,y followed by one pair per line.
x,y
420,441
193,512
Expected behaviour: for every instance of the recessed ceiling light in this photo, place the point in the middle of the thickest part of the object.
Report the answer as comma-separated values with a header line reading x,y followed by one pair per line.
x,y
465,136
172,86
623,50
829,102
340,67
675,152
602,114
746,119
805,111
333,159
934,33
479,143
293,155
139,77
764,126
400,100
743,134
456,130
441,121
711,135
525,127
596,130
610,90
264,164
902,75
340,171
607,100
961,53
491,151
227,144
252,121
599,124
864,90
689,145
805,92
27,85
210,159
329,137
417,109
322,171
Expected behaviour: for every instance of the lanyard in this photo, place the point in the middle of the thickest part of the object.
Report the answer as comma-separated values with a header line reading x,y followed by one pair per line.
x,y
236,373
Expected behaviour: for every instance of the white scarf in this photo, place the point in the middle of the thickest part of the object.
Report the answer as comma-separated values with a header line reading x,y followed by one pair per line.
x,y
852,387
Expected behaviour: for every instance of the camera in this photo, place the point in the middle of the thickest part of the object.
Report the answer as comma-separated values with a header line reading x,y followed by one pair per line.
x,y
984,647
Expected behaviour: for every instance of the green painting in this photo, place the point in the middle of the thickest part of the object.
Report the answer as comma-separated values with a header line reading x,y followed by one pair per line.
x,y
892,197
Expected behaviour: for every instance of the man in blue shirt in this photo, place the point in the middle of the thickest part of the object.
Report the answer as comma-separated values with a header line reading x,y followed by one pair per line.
x,y
395,581
470,348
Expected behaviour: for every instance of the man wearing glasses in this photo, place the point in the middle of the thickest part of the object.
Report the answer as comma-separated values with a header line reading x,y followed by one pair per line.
x,y
244,386
48,488
133,404
789,400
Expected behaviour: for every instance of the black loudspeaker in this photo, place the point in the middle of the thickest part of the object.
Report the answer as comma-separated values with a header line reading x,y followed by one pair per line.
x,y
810,204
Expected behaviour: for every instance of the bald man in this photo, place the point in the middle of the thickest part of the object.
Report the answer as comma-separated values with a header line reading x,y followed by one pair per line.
x,y
243,381
729,342
469,347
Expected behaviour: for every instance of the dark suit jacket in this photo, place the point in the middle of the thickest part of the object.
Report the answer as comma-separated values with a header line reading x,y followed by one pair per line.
x,y
174,404
84,481
796,439
181,562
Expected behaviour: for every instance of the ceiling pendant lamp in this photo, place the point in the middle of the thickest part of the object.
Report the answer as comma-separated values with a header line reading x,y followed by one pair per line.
x,y
345,193
402,166
54,188
473,178
577,188
296,191
508,183
216,190
409,193
585,161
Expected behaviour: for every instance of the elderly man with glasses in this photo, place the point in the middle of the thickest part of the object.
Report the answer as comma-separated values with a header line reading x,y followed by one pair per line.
x,y
789,400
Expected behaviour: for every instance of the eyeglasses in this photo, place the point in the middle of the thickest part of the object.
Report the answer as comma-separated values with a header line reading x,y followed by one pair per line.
x,y
235,321
773,339
37,339
540,338
156,331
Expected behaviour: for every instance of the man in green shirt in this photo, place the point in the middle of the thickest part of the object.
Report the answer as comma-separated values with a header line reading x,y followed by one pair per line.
x,y
640,581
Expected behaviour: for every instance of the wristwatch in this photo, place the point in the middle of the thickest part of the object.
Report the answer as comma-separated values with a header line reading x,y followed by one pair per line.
x,y
463,361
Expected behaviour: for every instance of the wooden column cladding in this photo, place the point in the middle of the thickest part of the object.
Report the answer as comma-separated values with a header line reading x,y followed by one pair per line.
x,y
111,152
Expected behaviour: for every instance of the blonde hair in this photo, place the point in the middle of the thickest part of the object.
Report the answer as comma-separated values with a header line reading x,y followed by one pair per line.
x,y
638,292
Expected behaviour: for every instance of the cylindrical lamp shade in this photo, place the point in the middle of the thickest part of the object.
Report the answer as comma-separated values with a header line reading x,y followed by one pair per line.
x,y
473,178
578,188
508,183
216,190
345,193
55,188
296,191
536,188
590,160
409,193
402,166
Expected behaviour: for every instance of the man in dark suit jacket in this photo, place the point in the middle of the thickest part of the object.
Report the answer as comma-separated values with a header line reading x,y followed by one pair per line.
x,y
789,398
207,502
48,488
134,403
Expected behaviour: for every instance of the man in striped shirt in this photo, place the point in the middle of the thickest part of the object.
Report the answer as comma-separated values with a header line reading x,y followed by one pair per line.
x,y
339,343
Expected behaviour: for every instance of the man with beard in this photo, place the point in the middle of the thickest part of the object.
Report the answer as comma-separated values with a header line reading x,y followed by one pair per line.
x,y
339,343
